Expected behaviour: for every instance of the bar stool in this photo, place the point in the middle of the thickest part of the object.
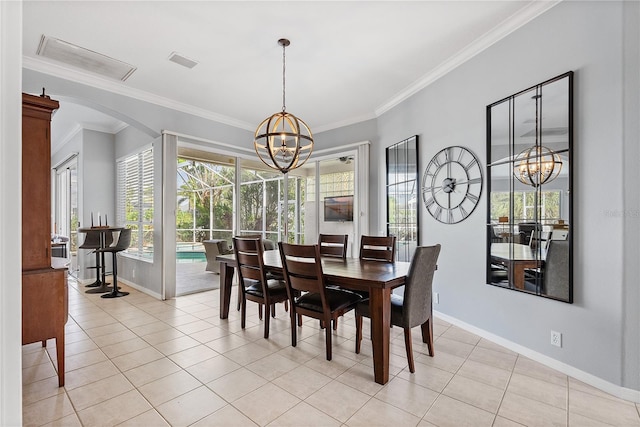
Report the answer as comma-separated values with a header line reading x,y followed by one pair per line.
x,y
92,242
105,238
124,240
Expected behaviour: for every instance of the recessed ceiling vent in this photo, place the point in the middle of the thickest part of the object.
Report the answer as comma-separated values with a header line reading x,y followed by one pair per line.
x,y
182,60
85,59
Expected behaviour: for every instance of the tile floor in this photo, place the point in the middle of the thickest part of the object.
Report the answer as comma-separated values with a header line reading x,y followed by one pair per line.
x,y
137,361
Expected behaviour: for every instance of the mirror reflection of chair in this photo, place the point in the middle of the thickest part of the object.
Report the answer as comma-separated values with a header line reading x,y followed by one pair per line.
x,y
333,245
526,229
380,248
414,308
308,293
254,285
123,242
540,240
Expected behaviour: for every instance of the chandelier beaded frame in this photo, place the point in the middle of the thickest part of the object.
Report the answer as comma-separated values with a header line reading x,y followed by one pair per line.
x,y
283,141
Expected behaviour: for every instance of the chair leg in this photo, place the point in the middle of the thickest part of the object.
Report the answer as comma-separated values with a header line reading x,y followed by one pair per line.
x,y
408,346
427,335
267,309
243,313
293,326
299,320
335,324
327,334
260,311
273,311
358,333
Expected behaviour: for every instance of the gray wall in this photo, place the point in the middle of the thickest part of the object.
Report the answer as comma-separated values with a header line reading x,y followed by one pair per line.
x,y
585,37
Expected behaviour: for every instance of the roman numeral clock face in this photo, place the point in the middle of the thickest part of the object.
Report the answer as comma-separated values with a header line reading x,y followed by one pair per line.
x,y
452,184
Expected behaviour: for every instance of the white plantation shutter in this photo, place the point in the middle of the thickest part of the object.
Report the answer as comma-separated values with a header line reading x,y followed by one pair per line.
x,y
135,201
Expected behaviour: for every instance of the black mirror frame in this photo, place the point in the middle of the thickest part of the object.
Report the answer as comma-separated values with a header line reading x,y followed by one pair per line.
x,y
571,228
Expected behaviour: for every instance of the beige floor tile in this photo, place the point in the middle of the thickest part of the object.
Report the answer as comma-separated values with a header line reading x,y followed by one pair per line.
x,y
151,328
531,412
193,355
40,390
474,393
191,407
603,409
114,411
247,353
78,347
302,352
262,411
47,410
124,347
338,400
227,342
146,419
70,420
138,320
85,359
193,327
447,412
272,366
503,422
183,319
236,384
441,360
113,338
461,335
378,413
576,420
99,391
72,337
150,372
38,373
360,377
213,368
485,374
162,335
534,369
332,368
408,396
136,358
575,384
176,345
35,358
108,328
303,411
89,374
490,345
209,334
169,387
226,417
494,358
428,376
542,391
457,348
302,381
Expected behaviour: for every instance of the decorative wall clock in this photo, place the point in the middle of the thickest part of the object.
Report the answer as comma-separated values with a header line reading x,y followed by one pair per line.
x,y
452,184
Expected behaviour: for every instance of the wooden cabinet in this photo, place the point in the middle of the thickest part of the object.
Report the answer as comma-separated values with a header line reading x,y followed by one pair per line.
x,y
44,287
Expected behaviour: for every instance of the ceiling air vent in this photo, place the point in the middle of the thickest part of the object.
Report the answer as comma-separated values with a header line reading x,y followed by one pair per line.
x,y
182,60
85,59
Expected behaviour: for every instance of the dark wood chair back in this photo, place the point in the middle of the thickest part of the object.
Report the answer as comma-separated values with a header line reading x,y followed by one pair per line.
x,y
378,248
333,245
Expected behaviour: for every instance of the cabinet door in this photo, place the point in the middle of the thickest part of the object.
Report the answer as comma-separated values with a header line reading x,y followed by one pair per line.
x,y
36,188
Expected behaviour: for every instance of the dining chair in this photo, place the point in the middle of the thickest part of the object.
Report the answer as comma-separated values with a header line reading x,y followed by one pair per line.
x,y
414,307
253,281
308,293
333,245
379,248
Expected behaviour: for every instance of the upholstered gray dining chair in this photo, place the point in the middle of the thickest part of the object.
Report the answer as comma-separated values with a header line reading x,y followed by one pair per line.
x,y
414,307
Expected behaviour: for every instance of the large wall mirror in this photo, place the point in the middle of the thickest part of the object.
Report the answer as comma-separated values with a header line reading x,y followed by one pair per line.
x,y
529,213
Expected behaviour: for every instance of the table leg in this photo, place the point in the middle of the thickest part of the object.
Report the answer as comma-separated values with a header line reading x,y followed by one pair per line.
x,y
226,283
380,310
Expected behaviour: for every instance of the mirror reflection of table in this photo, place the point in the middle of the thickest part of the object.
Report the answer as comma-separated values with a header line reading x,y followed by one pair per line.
x,y
517,257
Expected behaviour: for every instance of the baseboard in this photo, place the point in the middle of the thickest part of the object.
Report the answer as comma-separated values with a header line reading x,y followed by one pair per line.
x,y
141,288
585,377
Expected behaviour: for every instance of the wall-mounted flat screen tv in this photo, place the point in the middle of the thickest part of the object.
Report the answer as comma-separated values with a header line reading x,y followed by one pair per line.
x,y
338,208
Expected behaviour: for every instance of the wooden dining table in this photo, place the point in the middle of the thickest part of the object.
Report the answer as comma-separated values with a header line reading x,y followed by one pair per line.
x,y
517,257
376,277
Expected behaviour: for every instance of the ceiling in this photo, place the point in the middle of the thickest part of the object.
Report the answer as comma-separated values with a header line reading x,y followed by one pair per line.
x,y
347,62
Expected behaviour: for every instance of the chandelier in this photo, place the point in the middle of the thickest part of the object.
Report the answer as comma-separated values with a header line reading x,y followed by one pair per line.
x,y
537,165
283,141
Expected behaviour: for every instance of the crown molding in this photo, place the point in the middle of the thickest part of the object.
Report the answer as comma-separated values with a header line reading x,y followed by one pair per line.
x,y
80,76
509,25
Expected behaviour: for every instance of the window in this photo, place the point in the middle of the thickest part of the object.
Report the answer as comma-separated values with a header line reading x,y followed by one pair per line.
x,y
135,201
549,206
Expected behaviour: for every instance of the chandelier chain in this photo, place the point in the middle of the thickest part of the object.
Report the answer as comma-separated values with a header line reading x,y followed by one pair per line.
x,y
284,47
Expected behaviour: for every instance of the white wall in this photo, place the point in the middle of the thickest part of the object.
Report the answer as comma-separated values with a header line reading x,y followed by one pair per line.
x,y
585,37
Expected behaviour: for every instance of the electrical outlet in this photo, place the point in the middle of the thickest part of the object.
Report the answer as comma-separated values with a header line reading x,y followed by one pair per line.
x,y
556,338
436,298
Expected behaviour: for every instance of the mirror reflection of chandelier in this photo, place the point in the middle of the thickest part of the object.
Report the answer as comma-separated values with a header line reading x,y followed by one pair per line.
x,y
283,141
537,165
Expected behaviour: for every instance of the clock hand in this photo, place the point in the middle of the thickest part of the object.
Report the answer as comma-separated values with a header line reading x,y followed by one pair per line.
x,y
471,181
